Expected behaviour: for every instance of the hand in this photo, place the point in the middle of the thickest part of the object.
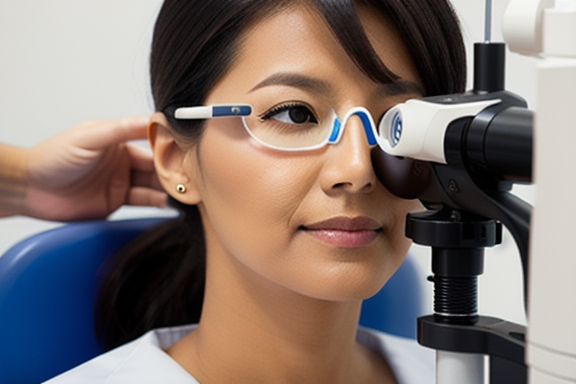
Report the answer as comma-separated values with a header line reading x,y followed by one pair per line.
x,y
89,171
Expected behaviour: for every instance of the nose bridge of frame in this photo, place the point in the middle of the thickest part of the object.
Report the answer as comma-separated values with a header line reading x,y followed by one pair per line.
x,y
367,122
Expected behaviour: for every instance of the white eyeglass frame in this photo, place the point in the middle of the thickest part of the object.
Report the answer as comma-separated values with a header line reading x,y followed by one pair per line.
x,y
243,110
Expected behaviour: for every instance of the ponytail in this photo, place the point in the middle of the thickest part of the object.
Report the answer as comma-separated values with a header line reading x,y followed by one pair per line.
x,y
155,281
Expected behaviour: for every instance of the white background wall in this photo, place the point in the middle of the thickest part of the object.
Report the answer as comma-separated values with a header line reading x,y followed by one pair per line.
x,y
62,62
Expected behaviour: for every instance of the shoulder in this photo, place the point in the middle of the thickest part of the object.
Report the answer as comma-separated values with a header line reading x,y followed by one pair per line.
x,y
142,361
410,362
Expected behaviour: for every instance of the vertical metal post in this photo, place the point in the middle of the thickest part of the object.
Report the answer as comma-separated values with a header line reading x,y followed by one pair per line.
x,y
488,22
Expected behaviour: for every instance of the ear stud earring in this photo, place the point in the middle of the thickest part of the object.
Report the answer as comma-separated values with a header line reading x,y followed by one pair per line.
x,y
181,188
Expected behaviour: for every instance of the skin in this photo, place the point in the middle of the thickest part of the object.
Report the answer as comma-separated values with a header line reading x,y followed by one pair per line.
x,y
86,172
282,304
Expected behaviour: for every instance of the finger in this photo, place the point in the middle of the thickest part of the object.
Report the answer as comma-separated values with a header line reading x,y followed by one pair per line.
x,y
132,128
141,159
146,197
145,179
104,133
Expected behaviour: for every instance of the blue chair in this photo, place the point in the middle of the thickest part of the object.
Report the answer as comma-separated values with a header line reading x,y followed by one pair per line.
x,y
49,282
397,306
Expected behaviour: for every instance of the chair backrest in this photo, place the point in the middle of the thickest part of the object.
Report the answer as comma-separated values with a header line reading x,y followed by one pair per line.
x,y
49,282
395,308
48,286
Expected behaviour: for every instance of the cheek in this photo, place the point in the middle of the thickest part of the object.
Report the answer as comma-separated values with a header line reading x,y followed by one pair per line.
x,y
249,194
399,209
253,199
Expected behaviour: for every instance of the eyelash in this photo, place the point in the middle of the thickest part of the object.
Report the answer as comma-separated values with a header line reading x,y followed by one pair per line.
x,y
286,107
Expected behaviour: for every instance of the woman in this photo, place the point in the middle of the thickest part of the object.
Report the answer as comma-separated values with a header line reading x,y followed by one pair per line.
x,y
281,206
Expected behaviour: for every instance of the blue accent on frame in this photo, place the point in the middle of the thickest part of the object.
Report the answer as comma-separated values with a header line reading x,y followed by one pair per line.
x,y
231,110
334,136
367,127
335,131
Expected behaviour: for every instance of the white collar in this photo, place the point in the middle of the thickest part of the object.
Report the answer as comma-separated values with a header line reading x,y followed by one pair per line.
x,y
144,360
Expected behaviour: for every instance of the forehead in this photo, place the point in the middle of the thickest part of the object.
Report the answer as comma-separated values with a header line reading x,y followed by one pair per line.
x,y
297,40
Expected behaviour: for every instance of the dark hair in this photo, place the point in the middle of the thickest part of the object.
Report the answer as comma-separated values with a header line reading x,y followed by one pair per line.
x,y
158,279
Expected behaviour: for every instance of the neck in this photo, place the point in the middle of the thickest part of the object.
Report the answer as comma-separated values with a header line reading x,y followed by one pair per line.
x,y
253,330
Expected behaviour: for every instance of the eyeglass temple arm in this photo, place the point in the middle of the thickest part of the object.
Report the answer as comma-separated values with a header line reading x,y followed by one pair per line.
x,y
207,112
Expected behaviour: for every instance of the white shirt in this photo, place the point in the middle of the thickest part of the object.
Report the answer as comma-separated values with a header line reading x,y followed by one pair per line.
x,y
144,361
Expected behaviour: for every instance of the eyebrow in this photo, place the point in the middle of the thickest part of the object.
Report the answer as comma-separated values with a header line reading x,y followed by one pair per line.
x,y
294,80
394,88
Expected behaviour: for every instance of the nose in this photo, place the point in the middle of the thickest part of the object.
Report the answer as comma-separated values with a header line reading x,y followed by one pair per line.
x,y
349,166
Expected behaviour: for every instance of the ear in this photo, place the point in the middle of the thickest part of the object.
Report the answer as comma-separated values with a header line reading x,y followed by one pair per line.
x,y
173,161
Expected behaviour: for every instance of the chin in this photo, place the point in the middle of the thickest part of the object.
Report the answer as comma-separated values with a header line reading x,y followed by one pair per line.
x,y
347,283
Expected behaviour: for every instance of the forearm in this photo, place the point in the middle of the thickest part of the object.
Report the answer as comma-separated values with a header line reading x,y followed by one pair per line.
x,y
13,180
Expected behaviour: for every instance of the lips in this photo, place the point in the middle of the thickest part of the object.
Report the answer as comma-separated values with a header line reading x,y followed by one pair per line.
x,y
344,231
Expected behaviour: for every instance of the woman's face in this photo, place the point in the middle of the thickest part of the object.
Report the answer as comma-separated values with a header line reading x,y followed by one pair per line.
x,y
314,222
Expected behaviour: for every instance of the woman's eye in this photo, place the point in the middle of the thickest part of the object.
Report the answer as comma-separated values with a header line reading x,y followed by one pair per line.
x,y
291,114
